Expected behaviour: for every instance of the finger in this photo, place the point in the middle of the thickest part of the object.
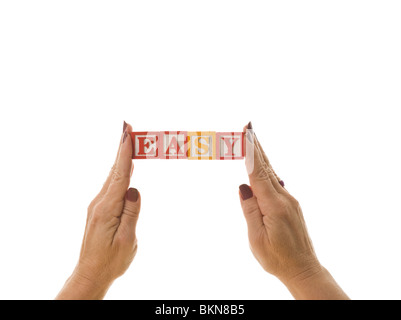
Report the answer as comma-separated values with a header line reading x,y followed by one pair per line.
x,y
130,214
264,157
272,175
266,160
258,171
252,213
276,182
106,184
121,172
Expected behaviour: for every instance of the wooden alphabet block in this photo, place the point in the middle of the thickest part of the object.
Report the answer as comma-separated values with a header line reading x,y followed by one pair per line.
x,y
193,145
201,145
145,145
229,145
173,145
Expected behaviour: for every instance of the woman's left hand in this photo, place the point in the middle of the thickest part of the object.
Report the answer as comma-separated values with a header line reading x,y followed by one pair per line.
x,y
109,243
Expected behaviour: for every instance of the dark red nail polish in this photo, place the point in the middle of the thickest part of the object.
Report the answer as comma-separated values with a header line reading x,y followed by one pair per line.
x,y
125,126
125,136
250,125
132,195
246,192
282,183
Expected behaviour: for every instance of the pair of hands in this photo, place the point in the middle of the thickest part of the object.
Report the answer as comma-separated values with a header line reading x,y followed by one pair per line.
x,y
276,229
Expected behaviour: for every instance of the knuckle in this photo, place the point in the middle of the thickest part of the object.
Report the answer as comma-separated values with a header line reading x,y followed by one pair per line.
x,y
91,206
105,207
117,176
125,239
96,217
121,239
261,173
293,202
99,208
251,209
135,247
98,212
281,208
131,211
284,206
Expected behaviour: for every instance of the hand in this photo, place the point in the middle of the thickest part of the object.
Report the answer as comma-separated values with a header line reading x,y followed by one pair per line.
x,y
277,231
109,243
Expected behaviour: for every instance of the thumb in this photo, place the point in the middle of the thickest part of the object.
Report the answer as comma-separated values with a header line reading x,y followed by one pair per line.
x,y
130,214
251,210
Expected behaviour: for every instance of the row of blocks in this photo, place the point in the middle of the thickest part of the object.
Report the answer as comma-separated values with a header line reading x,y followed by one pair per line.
x,y
193,145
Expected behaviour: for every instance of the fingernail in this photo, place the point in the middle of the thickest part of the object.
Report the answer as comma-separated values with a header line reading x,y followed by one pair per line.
x,y
125,126
132,195
249,132
249,135
125,136
282,183
246,192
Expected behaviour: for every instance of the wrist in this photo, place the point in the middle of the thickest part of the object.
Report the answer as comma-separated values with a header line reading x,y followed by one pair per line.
x,y
315,283
301,278
80,286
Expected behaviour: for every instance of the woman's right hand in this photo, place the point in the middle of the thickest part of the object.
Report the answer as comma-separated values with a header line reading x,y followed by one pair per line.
x,y
277,231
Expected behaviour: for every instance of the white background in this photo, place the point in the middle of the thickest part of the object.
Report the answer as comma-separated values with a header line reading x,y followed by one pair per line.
x,y
320,81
